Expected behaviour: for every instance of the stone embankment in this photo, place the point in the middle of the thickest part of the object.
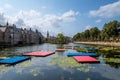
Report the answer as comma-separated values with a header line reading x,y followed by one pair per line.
x,y
99,43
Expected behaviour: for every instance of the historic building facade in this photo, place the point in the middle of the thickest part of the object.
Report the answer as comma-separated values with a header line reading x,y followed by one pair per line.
x,y
14,36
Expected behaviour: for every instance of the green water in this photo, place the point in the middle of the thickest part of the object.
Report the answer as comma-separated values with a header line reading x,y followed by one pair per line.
x,y
57,66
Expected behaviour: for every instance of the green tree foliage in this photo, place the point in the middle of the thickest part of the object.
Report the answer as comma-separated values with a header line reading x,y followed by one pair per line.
x,y
76,37
61,39
111,31
94,33
87,34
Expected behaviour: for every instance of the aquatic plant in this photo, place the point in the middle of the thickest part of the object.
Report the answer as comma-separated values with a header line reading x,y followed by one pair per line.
x,y
88,79
26,64
4,69
80,49
109,52
70,63
21,67
35,71
114,60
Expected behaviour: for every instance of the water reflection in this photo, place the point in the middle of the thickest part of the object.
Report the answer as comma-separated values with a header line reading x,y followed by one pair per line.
x,y
113,62
69,64
111,58
57,66
4,69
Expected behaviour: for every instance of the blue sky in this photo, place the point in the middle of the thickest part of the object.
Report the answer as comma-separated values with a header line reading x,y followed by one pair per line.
x,y
59,16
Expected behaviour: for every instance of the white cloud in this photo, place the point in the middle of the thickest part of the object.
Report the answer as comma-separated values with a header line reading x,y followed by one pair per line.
x,y
1,10
2,18
51,21
43,7
36,20
20,23
8,6
88,27
107,11
69,16
28,14
98,21
47,21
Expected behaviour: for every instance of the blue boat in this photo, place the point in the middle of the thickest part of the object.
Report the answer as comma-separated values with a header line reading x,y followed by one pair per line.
x,y
14,60
82,54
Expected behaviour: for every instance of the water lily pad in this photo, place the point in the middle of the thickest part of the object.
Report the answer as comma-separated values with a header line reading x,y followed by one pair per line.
x,y
4,69
114,60
69,63
26,64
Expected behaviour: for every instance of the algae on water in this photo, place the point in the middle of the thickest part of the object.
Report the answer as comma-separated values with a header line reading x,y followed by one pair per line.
x,y
70,63
114,60
4,69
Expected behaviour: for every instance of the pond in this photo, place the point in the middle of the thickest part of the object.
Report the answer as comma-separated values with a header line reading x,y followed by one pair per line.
x,y
57,66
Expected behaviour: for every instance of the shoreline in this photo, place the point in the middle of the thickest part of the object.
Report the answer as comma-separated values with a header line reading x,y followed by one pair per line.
x,y
117,44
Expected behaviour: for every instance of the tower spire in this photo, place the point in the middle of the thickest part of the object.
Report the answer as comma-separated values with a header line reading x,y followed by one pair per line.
x,y
7,23
47,36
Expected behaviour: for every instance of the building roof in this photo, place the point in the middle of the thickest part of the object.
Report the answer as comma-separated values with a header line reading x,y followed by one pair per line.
x,y
3,29
17,29
1,25
0,31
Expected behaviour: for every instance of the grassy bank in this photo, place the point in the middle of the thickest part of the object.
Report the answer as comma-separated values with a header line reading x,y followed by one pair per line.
x,y
98,43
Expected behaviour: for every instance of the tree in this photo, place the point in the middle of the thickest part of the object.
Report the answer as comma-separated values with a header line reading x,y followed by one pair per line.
x,y
94,32
111,29
76,37
87,34
103,36
61,39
